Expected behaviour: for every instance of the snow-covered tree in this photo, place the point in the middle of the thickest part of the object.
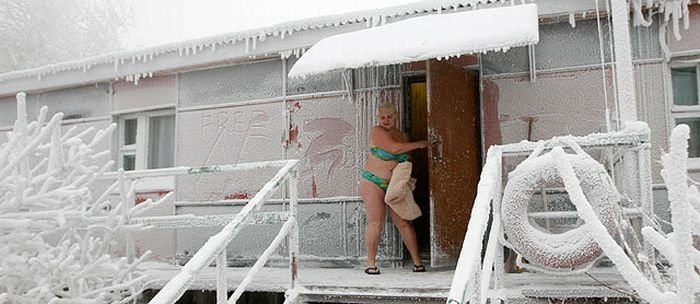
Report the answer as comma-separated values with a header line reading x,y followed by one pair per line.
x,y
56,231
39,32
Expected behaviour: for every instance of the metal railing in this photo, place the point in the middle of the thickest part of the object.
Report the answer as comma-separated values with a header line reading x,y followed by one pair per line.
x,y
214,250
472,280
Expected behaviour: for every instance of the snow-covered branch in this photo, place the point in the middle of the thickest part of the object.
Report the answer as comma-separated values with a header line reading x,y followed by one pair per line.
x,y
57,232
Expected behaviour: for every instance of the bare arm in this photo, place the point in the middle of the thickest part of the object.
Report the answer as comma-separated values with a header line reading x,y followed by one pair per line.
x,y
383,139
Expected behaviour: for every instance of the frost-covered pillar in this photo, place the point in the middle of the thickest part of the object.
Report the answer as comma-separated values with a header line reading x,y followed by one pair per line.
x,y
624,75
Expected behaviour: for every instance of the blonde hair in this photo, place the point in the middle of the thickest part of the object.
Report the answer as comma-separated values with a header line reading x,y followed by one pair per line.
x,y
387,108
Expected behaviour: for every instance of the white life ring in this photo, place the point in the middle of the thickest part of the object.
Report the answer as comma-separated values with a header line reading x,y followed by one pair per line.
x,y
572,249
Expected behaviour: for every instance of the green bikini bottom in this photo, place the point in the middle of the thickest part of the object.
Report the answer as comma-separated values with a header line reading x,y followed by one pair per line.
x,y
382,183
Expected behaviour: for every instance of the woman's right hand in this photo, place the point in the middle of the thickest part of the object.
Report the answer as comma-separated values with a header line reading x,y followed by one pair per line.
x,y
422,144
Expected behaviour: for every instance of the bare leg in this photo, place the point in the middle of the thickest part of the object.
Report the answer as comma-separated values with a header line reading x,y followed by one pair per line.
x,y
408,234
376,214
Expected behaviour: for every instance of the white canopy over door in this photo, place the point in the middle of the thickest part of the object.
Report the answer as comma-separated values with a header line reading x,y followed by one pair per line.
x,y
422,38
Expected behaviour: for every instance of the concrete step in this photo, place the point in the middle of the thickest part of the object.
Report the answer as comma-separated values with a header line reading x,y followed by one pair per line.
x,y
378,295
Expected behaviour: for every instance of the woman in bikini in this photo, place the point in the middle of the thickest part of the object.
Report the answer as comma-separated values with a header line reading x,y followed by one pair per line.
x,y
387,147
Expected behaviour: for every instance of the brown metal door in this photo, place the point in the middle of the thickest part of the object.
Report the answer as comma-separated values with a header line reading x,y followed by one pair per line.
x,y
454,156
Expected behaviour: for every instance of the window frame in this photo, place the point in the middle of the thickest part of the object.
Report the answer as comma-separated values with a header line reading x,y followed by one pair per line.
x,y
680,112
140,149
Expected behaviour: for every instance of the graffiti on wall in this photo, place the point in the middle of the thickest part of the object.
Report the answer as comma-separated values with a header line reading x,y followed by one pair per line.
x,y
227,136
233,132
325,147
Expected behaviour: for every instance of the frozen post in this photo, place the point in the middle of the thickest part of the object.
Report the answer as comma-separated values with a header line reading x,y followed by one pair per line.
x,y
624,74
294,234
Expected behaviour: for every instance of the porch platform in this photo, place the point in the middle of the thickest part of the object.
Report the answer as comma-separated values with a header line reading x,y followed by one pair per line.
x,y
400,285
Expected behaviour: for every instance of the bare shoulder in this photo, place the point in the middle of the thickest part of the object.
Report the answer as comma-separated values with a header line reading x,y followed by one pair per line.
x,y
399,136
377,130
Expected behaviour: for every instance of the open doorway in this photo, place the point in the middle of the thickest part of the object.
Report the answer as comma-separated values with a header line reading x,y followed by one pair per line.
x,y
442,106
415,121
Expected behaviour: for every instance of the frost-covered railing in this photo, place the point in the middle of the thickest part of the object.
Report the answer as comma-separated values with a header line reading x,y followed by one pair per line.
x,y
215,247
472,280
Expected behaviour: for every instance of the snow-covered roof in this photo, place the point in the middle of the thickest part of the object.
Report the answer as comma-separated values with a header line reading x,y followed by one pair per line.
x,y
421,38
242,45
249,37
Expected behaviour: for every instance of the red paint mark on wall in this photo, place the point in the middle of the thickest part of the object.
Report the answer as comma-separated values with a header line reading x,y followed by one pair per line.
x,y
237,195
293,130
314,186
492,123
327,152
143,196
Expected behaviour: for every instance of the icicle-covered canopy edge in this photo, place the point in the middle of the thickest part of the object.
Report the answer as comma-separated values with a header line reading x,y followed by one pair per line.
x,y
190,47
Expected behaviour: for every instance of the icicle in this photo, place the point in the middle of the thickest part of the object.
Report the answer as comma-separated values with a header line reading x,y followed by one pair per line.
x,y
637,14
572,19
116,65
247,45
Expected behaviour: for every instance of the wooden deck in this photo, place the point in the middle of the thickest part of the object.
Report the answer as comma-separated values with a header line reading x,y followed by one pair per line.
x,y
400,285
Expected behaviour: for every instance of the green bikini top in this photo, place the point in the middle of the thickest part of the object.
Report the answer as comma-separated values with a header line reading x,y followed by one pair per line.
x,y
383,155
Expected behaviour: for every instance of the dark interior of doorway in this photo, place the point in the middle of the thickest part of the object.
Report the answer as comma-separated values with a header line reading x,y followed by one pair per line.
x,y
415,123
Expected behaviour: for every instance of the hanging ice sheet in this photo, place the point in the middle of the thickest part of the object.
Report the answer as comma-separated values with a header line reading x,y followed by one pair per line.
x,y
435,36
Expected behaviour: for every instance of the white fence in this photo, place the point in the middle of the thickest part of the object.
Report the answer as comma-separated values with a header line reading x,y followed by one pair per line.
x,y
215,248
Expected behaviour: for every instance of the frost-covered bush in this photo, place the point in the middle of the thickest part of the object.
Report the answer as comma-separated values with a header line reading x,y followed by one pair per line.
x,y
56,234
682,278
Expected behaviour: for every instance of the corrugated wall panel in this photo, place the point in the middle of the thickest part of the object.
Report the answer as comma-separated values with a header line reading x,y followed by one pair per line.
x,y
258,80
149,92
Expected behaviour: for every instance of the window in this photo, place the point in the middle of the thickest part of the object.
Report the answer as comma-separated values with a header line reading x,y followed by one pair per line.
x,y
147,140
686,106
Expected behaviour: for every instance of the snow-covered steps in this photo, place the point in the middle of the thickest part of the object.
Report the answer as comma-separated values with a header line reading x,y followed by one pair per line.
x,y
602,283
400,285
379,295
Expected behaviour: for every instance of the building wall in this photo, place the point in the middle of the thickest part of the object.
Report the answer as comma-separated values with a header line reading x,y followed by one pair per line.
x,y
570,94
148,93
690,41
251,112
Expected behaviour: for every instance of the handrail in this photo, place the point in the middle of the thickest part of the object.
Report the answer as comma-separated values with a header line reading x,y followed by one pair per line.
x,y
183,170
631,137
215,247
470,256
472,277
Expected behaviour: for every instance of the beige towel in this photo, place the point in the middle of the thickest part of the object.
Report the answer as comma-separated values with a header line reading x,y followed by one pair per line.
x,y
399,195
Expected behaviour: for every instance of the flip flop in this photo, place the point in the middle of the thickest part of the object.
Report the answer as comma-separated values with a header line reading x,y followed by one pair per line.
x,y
372,270
418,268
